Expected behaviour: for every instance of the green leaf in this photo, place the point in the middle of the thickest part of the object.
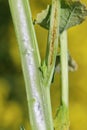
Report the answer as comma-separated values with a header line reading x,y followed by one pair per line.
x,y
61,121
43,18
72,13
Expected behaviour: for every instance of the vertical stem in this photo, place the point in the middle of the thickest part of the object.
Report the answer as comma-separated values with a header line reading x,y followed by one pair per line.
x,y
51,53
53,36
64,68
30,59
47,108
61,121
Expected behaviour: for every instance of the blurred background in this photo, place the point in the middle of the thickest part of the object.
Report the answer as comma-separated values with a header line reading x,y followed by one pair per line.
x,y
13,103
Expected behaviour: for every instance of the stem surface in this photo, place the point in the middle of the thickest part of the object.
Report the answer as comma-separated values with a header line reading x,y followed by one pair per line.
x,y
53,36
51,53
64,68
30,59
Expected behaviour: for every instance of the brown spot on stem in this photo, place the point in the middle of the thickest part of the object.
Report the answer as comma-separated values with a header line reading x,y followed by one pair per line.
x,y
54,34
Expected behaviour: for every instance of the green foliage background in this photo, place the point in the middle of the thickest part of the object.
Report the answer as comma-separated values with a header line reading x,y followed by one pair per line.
x,y
13,103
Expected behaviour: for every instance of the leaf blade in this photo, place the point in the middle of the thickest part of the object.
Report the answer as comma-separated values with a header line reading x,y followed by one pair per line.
x,y
72,13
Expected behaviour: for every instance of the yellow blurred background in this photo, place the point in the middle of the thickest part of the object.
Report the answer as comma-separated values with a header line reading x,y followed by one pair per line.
x,y
13,103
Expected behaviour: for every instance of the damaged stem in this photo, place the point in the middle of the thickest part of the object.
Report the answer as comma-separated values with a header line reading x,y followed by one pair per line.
x,y
53,36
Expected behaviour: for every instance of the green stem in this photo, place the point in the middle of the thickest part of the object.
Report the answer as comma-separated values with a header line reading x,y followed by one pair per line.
x,y
30,59
47,108
53,36
64,68
51,53
61,121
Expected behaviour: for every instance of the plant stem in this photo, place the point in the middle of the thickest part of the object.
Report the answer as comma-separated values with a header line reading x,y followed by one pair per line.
x,y
64,68
30,59
51,53
53,36
23,16
47,108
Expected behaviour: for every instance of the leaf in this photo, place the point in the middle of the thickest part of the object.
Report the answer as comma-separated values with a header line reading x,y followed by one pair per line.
x,y
72,13
61,121
43,18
